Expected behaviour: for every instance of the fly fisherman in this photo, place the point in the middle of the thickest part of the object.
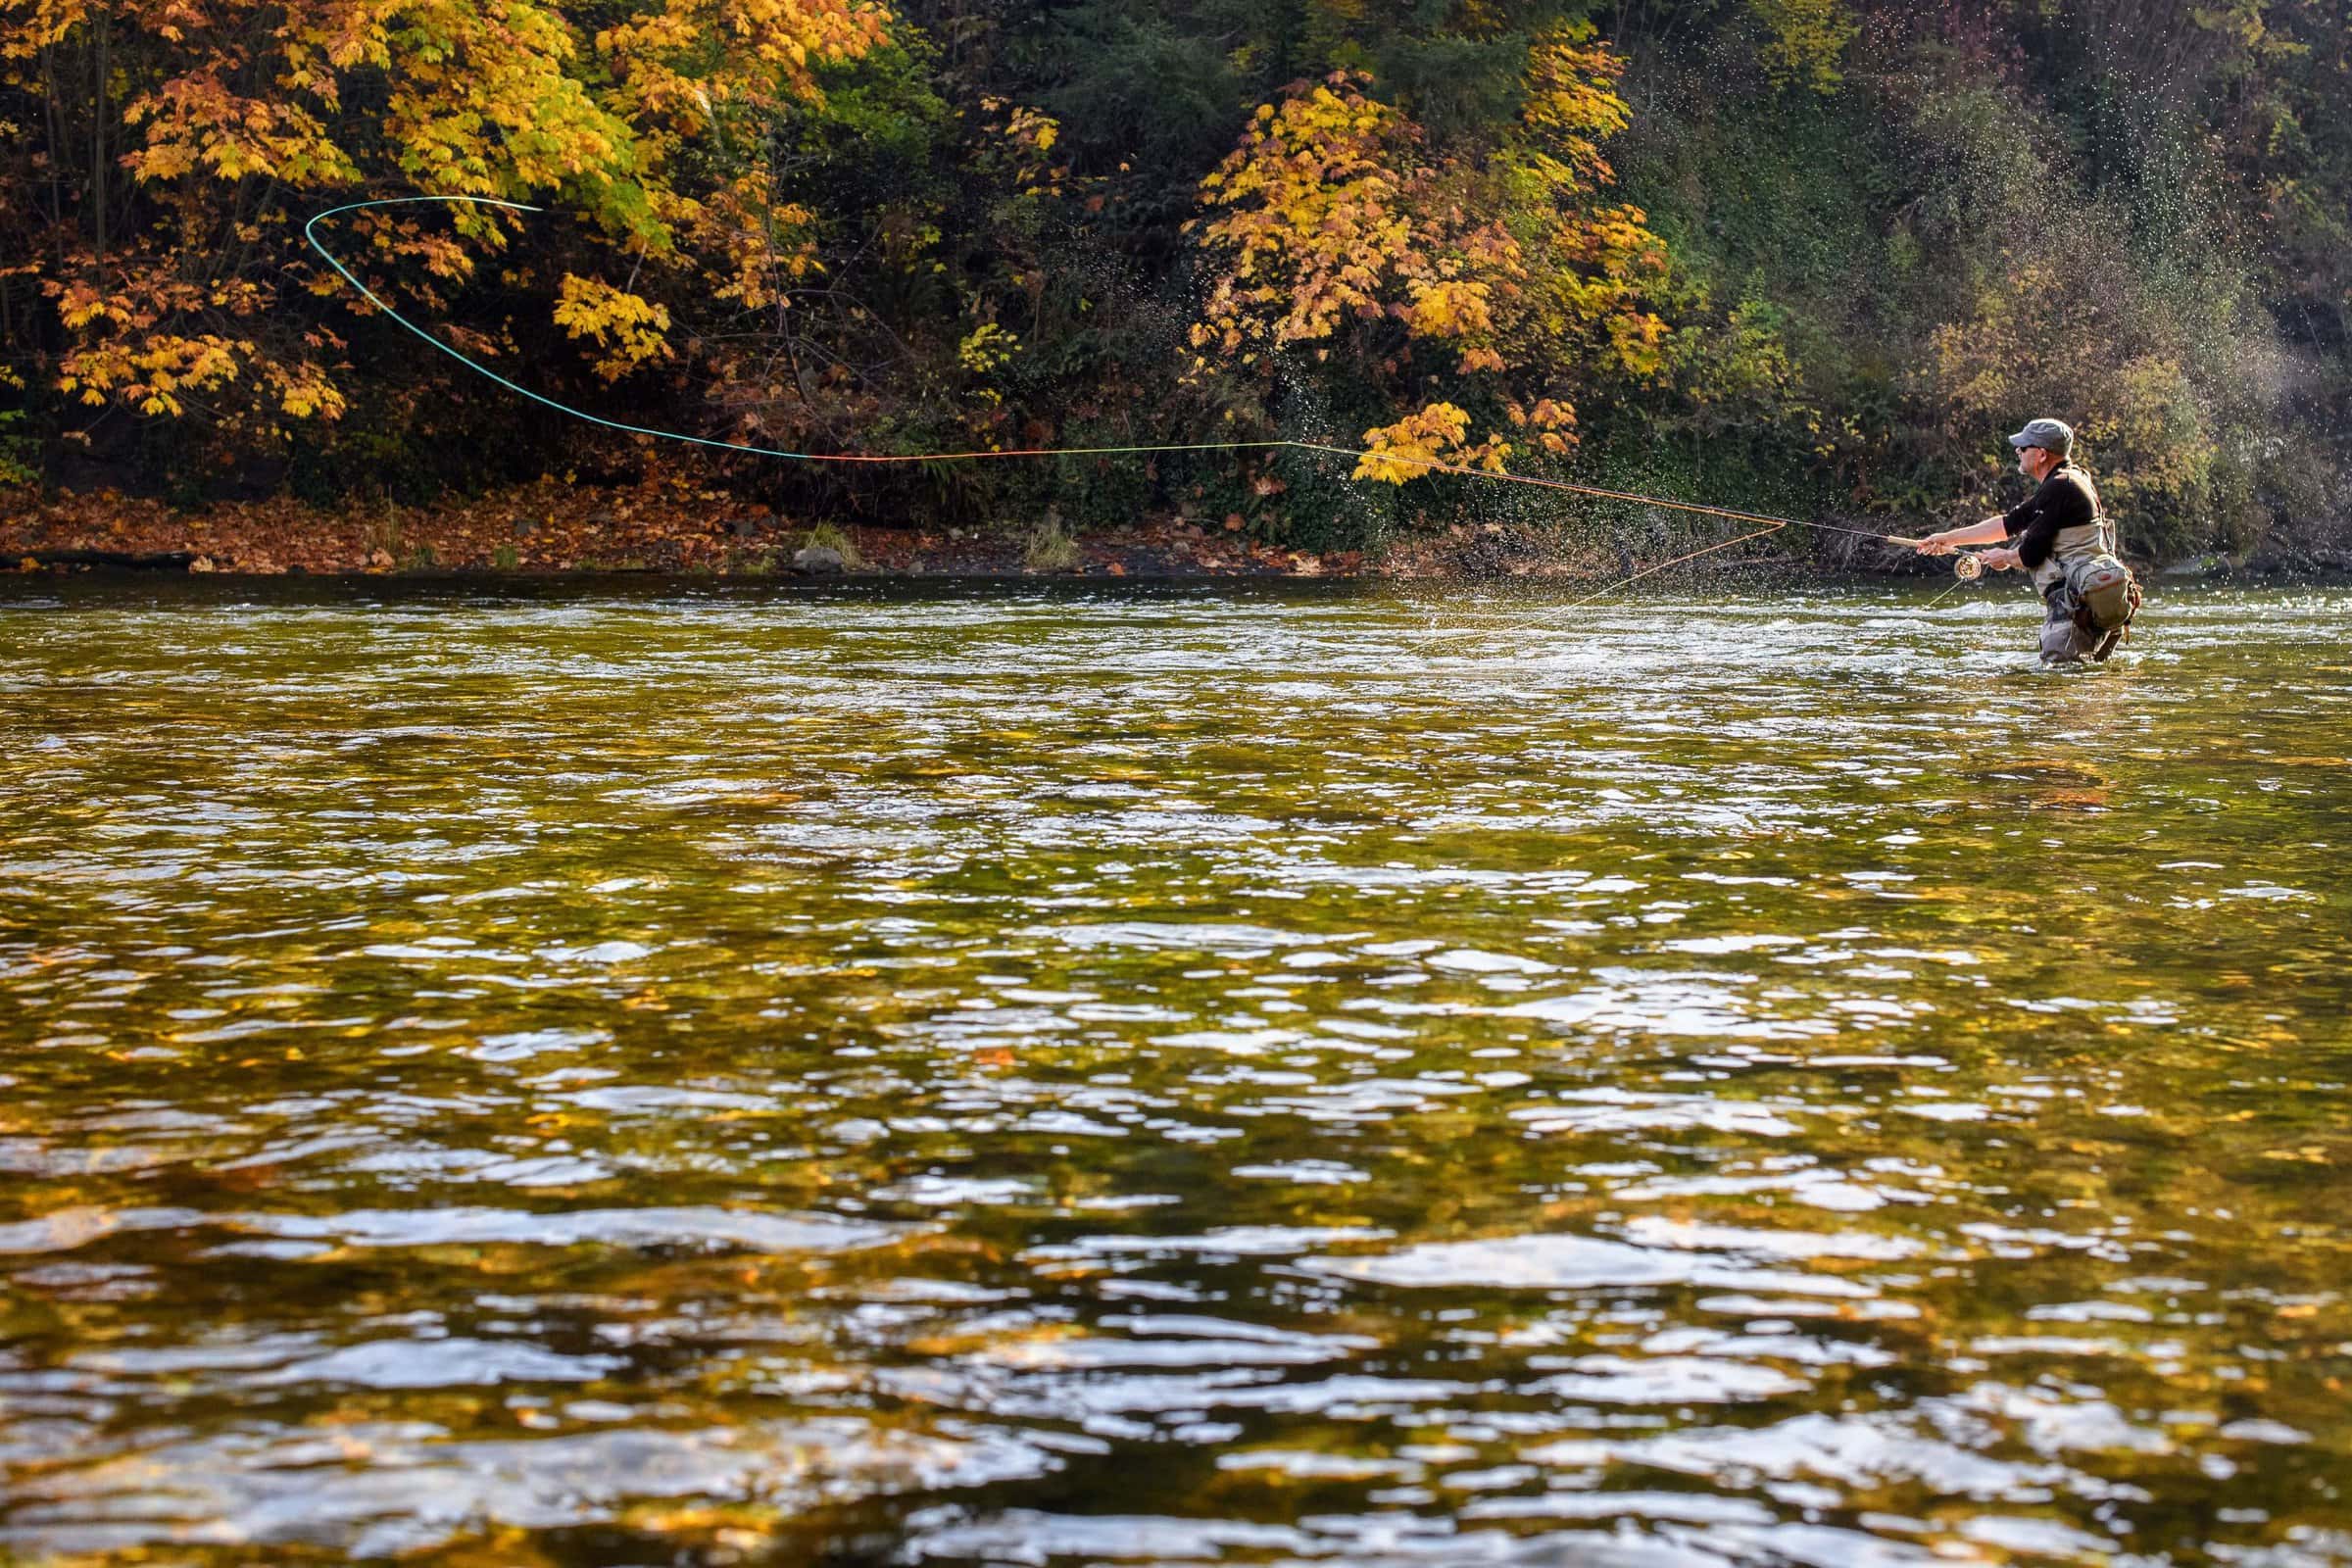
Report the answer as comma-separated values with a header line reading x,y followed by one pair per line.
x,y
2063,542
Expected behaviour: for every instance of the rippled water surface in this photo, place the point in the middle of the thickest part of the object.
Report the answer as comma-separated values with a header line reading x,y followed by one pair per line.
x,y
1005,1077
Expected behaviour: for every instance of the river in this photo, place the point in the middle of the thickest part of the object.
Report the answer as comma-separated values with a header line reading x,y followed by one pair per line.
x,y
659,1072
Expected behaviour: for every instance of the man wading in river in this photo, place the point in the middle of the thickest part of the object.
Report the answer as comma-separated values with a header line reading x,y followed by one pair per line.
x,y
2064,542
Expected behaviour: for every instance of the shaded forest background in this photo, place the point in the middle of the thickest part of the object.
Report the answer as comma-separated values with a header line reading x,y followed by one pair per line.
x,y
1779,254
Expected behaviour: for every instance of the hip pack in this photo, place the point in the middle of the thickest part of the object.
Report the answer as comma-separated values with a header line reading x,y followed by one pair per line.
x,y
2105,593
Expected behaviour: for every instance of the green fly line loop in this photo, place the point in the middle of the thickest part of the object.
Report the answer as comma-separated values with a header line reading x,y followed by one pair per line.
x,y
1772,524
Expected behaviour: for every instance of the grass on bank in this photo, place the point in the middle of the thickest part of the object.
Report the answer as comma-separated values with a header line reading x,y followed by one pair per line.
x,y
825,536
1050,547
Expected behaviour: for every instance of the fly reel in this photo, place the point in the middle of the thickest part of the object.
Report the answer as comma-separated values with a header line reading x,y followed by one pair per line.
x,y
1967,568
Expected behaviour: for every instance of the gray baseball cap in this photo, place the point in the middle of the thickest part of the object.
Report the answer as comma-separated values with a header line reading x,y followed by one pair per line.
x,y
2051,436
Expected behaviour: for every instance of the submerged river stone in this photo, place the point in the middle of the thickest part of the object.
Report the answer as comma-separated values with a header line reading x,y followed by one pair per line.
x,y
748,1073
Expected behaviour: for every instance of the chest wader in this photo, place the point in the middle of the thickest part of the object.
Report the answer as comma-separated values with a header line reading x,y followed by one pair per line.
x,y
2088,590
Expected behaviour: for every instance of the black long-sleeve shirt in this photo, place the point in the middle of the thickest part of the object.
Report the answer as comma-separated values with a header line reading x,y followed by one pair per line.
x,y
2066,499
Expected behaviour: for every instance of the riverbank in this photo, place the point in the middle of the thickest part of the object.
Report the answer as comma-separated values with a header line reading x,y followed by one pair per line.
x,y
555,527
552,528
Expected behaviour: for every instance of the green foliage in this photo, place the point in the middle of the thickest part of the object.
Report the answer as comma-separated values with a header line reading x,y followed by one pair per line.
x,y
19,452
1148,102
1899,294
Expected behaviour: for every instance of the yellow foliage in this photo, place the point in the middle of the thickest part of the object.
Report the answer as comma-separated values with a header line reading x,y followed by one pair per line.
x,y
1029,134
1420,443
303,392
234,114
1804,41
1325,227
988,348
1449,308
1551,420
38,25
1572,107
1310,219
80,305
154,374
629,328
765,243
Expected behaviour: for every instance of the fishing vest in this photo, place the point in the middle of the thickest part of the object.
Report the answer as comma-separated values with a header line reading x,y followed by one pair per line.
x,y
2084,540
2101,593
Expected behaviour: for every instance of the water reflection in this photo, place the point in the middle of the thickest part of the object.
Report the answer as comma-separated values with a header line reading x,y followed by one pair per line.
x,y
1171,1077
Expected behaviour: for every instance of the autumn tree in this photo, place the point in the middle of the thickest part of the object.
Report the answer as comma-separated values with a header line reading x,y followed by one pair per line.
x,y
164,154
1439,232
1477,290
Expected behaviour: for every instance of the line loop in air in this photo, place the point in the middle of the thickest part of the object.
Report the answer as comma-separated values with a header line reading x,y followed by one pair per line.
x,y
1772,524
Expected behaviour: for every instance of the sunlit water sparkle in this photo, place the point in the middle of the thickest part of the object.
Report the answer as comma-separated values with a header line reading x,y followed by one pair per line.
x,y
654,1073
